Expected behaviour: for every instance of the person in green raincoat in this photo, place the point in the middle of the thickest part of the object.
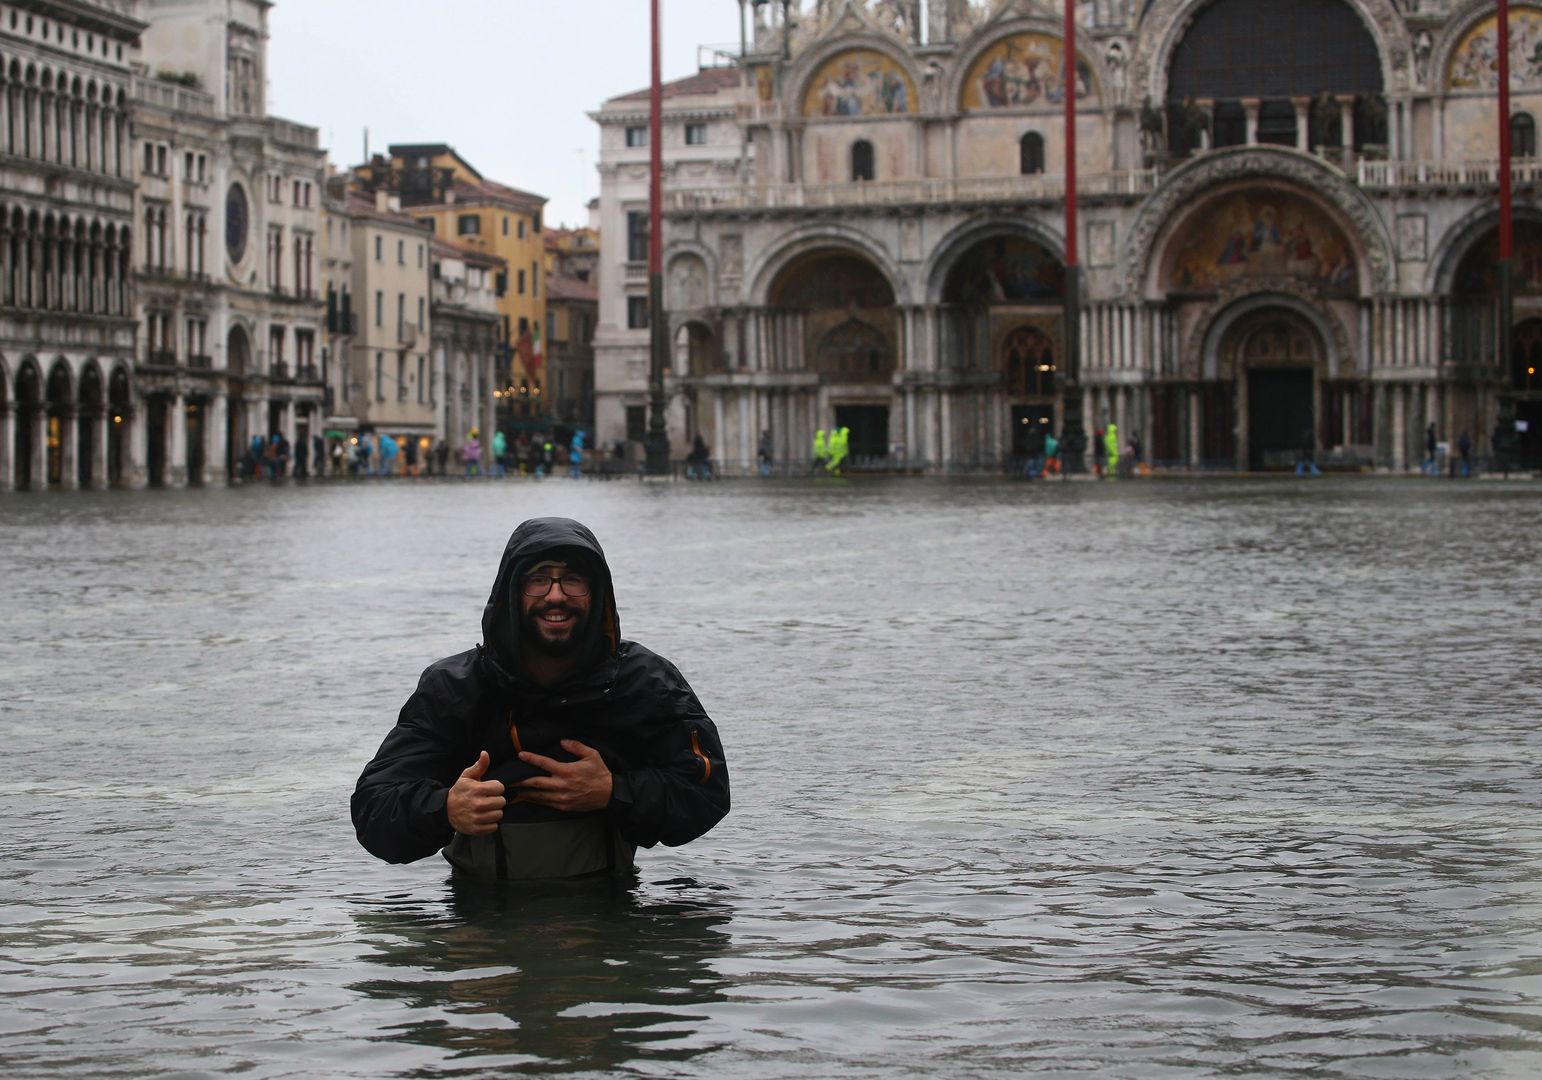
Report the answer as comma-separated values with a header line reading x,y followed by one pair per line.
x,y
821,454
1111,446
500,452
840,446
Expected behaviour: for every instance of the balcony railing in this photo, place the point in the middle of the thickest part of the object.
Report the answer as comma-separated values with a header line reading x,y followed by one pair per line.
x,y
1406,174
1041,186
200,362
161,358
341,322
279,372
173,97
307,373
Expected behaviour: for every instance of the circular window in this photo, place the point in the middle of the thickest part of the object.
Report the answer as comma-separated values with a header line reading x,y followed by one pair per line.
x,y
236,223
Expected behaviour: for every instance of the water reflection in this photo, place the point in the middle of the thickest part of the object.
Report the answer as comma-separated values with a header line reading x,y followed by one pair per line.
x,y
556,979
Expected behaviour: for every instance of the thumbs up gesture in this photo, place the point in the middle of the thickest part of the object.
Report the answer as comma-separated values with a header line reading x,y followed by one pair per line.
x,y
475,806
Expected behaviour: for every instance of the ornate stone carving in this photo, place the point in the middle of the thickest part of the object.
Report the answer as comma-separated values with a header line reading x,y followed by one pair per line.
x,y
1187,184
1192,354
687,283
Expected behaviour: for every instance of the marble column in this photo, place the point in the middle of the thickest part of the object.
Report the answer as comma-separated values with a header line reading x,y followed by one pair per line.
x,y
7,439
1196,434
69,449
1303,130
35,434
1399,428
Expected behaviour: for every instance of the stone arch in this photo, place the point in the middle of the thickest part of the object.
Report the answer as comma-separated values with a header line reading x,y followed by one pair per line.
x,y
1166,21
1306,176
61,384
854,350
769,266
1459,240
696,349
995,34
1215,322
964,238
806,70
1453,34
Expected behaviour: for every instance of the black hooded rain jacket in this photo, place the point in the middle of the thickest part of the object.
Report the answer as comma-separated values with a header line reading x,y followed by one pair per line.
x,y
670,781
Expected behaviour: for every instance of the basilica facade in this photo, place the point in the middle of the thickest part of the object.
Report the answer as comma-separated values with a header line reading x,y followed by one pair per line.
x,y
1288,234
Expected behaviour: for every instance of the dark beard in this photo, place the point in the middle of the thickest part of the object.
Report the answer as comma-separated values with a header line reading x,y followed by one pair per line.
x,y
531,638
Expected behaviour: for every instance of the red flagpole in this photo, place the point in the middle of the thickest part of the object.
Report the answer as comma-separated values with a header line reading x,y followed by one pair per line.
x,y
1073,438
1506,222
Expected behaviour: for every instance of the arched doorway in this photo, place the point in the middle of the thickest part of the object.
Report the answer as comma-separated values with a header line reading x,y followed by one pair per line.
x,y
28,439
238,361
61,418
1028,369
197,421
834,315
120,406
90,408
1275,354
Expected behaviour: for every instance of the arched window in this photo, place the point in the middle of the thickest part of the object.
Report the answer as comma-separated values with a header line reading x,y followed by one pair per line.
x,y
1523,136
862,160
1030,154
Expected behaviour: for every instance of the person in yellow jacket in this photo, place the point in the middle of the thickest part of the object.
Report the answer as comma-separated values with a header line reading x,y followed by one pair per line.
x,y
1111,446
840,446
821,453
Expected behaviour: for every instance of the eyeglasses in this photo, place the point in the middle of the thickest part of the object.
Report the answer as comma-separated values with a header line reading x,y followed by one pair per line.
x,y
572,585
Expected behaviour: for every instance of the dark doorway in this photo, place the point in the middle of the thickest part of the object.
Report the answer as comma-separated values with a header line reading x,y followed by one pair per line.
x,y
1280,419
1528,443
155,440
197,411
118,402
869,426
29,413
1030,423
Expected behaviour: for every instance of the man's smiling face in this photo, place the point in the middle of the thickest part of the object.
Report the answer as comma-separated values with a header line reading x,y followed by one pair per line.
x,y
551,622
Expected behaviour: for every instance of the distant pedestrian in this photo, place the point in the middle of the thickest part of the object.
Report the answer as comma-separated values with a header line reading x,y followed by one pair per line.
x,y
1137,455
1464,448
472,452
576,456
821,451
1097,452
698,463
442,456
302,459
1111,449
411,455
338,455
1033,466
1051,455
389,449
319,455
500,454
763,453
1429,451
1306,461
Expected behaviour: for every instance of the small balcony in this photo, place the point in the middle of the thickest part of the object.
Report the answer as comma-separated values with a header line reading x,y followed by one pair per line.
x,y
342,323
407,335
161,358
279,372
200,362
307,373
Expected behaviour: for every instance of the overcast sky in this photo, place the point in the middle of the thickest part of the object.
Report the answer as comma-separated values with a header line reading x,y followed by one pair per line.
x,y
508,83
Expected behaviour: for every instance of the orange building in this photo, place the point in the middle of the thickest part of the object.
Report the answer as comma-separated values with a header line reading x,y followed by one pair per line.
x,y
444,191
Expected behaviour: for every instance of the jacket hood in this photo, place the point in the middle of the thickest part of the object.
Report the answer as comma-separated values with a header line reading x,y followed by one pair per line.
x,y
552,538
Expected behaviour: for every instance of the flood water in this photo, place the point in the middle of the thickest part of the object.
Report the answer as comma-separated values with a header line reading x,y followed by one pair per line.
x,y
1166,778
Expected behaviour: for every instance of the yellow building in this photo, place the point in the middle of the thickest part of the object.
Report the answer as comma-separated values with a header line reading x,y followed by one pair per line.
x,y
441,189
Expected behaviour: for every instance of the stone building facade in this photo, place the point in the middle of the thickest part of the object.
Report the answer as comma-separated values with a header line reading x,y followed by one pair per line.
x,y
230,207
1288,225
67,235
467,339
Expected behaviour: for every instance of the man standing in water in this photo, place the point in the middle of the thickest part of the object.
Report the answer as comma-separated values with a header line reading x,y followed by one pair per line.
x,y
555,748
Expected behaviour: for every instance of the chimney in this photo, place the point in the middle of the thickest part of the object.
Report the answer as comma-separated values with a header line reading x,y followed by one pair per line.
x,y
382,200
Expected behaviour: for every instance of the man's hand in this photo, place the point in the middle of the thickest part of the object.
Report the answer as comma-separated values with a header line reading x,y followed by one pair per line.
x,y
475,805
574,786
